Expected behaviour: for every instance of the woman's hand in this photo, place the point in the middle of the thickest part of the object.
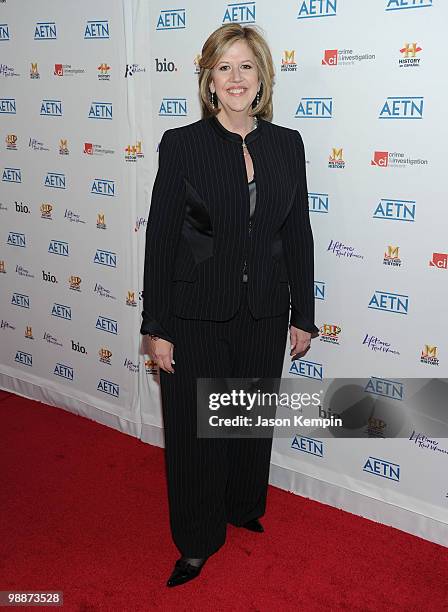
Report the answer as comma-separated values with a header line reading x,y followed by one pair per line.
x,y
161,351
300,341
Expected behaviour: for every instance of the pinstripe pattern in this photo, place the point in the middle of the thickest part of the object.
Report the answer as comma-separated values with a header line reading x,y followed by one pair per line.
x,y
197,240
209,160
214,481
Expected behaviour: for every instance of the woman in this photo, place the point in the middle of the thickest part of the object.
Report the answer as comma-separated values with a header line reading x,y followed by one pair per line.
x,y
228,249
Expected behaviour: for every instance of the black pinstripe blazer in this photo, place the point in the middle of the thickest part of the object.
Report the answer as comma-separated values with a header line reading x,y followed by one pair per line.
x,y
197,236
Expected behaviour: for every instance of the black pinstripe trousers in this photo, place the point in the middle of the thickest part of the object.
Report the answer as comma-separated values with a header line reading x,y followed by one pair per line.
x,y
215,481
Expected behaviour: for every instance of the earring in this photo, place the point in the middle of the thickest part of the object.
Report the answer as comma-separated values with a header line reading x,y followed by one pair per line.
x,y
212,101
258,94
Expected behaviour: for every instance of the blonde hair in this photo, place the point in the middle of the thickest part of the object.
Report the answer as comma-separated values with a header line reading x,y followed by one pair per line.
x,y
216,44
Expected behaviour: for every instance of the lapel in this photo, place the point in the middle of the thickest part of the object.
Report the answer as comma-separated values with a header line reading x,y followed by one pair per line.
x,y
216,202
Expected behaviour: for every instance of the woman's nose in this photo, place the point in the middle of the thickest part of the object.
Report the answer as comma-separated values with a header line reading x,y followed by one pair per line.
x,y
236,75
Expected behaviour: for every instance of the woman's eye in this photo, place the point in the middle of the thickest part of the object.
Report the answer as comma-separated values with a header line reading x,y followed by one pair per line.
x,y
247,66
223,67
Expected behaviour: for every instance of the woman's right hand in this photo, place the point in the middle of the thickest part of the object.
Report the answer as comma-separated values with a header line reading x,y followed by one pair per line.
x,y
161,351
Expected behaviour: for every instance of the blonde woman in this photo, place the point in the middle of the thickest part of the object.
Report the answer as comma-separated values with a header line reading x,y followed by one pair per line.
x,y
229,251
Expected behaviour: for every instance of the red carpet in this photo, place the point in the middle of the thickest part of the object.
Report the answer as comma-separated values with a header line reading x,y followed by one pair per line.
x,y
84,511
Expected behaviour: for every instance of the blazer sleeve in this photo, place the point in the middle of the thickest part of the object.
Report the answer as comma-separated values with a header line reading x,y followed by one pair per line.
x,y
162,235
298,248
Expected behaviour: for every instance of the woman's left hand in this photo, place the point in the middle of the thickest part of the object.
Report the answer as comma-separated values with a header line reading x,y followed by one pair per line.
x,y
300,341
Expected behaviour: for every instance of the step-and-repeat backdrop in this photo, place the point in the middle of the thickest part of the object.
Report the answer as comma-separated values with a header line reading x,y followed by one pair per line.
x,y
85,96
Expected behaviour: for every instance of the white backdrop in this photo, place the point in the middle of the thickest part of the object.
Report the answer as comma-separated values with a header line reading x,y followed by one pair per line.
x,y
362,82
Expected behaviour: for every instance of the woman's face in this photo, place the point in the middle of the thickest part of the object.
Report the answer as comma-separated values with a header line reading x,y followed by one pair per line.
x,y
235,78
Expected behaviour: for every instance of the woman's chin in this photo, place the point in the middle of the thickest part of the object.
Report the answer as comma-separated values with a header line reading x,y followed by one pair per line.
x,y
237,106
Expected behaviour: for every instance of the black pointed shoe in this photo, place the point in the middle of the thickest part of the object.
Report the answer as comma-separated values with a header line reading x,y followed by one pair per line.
x,y
254,525
184,572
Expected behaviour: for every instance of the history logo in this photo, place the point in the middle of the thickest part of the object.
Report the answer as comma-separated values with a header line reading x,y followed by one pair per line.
x,y
103,73
329,333
11,142
63,147
130,299
336,159
408,58
196,62
150,366
101,221
34,71
134,152
105,356
46,210
429,355
289,63
74,283
391,256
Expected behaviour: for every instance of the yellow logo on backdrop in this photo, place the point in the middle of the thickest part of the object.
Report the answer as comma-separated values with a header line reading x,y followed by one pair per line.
x,y
46,210
410,49
330,330
74,282
130,300
336,154
103,68
63,148
289,57
429,351
392,252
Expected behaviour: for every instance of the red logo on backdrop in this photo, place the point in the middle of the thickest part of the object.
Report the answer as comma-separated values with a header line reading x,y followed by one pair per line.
x,y
380,158
58,70
88,148
410,49
439,260
330,57
103,68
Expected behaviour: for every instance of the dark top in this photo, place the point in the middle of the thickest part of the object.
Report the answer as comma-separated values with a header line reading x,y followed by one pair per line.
x,y
253,196
197,237
252,200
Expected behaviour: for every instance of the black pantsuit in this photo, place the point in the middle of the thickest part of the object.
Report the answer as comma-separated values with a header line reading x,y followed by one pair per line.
x,y
213,481
199,248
